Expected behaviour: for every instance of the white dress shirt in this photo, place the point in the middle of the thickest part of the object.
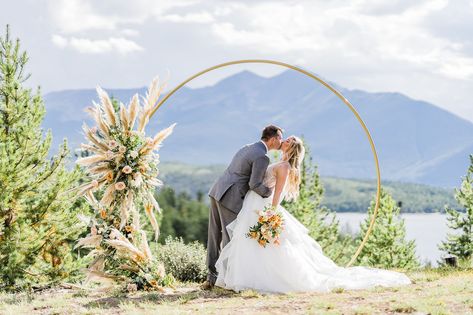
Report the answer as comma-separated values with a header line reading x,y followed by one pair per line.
x,y
265,146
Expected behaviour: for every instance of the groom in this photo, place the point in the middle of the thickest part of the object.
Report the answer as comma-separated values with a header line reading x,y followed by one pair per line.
x,y
245,172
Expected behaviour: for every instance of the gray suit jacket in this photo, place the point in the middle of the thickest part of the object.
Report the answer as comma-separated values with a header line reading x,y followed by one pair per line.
x,y
246,171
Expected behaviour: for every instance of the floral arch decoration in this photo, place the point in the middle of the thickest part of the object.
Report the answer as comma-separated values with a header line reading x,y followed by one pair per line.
x,y
122,165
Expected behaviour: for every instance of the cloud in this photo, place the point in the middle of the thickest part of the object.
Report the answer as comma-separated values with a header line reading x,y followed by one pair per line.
x,y
75,16
72,16
89,46
130,32
376,7
199,17
421,48
453,23
393,32
379,33
59,41
272,27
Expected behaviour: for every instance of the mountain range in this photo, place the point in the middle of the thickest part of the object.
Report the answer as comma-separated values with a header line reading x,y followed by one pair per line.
x,y
416,141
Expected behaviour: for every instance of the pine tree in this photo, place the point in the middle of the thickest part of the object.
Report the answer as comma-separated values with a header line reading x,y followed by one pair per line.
x,y
460,244
386,246
37,223
319,220
183,217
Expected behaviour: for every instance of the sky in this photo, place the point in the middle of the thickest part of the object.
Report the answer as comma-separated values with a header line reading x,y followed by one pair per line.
x,y
423,49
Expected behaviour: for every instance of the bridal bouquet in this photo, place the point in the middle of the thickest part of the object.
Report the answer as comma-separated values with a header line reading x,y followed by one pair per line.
x,y
269,227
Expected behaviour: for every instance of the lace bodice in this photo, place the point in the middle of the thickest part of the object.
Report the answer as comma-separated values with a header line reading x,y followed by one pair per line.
x,y
270,176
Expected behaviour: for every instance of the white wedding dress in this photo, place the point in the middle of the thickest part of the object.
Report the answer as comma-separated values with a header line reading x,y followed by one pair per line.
x,y
297,264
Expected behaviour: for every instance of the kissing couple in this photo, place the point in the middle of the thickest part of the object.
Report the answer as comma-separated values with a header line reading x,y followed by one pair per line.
x,y
296,263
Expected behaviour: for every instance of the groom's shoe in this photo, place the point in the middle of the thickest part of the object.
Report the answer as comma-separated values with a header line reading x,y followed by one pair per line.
x,y
207,285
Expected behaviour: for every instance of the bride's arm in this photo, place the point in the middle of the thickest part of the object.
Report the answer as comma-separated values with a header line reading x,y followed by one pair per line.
x,y
281,176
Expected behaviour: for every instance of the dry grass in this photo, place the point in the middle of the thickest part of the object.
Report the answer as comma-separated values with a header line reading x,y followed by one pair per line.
x,y
434,291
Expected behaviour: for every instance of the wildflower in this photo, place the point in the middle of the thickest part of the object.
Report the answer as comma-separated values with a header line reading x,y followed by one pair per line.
x,y
133,154
122,149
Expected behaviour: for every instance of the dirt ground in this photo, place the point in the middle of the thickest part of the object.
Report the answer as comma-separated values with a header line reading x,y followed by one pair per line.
x,y
432,292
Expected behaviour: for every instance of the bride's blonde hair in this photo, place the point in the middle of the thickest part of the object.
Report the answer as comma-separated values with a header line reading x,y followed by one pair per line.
x,y
294,155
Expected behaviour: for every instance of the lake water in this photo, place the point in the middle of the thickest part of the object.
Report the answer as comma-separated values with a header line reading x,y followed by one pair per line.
x,y
427,229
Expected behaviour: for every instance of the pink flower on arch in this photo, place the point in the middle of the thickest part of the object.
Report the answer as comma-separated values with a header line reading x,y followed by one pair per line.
x,y
120,186
127,170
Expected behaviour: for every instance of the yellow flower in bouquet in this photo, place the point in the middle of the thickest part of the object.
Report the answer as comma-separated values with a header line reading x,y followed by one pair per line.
x,y
268,228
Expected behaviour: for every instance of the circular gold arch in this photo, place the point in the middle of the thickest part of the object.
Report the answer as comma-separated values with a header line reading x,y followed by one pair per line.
x,y
328,86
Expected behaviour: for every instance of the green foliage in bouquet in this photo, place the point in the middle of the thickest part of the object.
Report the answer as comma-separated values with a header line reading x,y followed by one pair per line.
x,y
319,220
38,217
123,170
186,262
460,243
387,246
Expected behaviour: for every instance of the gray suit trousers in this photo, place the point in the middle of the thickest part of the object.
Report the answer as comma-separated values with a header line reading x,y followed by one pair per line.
x,y
218,238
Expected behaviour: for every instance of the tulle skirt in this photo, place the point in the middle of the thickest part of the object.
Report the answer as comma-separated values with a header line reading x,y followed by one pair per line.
x,y
297,264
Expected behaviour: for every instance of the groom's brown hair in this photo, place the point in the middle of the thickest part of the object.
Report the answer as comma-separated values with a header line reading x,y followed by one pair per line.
x,y
269,132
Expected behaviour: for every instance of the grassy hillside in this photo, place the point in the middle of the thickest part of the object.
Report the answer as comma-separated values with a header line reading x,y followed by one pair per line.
x,y
353,195
341,194
434,291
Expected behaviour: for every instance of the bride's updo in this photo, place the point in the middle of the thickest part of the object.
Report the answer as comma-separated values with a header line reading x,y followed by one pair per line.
x,y
294,156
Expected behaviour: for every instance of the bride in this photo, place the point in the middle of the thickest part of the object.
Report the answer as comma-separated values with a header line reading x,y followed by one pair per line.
x,y
298,262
